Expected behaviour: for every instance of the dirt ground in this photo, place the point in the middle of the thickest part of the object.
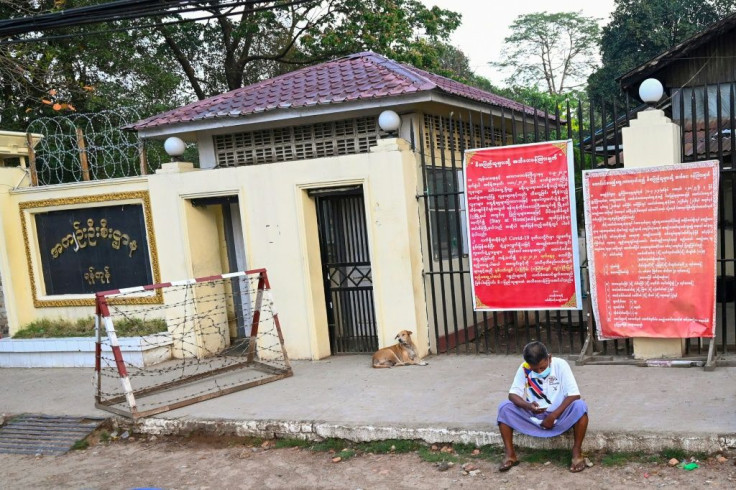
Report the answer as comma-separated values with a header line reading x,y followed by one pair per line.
x,y
202,464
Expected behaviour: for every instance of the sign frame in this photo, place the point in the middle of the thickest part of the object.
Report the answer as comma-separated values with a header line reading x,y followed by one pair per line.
x,y
573,300
29,209
593,265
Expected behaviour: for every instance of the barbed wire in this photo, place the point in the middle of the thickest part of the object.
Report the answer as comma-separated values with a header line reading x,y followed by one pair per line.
x,y
205,328
97,137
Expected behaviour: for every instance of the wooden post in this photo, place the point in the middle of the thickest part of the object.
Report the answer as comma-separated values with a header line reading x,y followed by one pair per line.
x,y
32,160
82,154
143,157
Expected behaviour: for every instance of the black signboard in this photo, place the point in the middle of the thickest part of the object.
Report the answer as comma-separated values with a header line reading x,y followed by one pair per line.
x,y
86,250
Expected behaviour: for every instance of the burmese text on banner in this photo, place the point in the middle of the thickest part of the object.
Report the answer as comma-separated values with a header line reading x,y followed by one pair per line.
x,y
522,228
651,239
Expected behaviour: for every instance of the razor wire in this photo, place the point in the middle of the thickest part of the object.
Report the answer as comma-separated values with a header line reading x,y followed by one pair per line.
x,y
110,150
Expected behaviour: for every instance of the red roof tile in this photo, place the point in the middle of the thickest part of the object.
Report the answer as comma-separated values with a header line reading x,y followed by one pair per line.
x,y
359,76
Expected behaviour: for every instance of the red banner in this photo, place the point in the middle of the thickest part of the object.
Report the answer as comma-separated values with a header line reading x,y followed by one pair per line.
x,y
651,239
522,229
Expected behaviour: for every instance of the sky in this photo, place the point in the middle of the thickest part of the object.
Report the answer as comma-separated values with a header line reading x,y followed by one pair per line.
x,y
485,24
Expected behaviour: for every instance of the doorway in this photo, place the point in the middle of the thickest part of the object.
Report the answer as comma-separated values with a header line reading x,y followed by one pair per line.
x,y
346,270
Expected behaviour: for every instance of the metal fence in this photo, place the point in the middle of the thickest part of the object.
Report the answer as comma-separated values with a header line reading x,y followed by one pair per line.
x,y
596,133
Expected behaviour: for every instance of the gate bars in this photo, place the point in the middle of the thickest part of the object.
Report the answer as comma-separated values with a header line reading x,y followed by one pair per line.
x,y
595,129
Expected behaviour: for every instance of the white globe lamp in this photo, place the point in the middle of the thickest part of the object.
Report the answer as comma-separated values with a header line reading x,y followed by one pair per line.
x,y
650,91
389,122
175,147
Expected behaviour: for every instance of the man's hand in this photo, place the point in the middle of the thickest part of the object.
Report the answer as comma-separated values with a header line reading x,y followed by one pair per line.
x,y
535,408
549,421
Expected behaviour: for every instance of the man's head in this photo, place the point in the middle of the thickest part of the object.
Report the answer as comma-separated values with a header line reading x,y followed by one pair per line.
x,y
535,353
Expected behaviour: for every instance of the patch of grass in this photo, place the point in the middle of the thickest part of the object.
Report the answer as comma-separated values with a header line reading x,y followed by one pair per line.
x,y
85,327
329,445
426,454
490,453
346,454
681,455
619,459
389,446
559,457
80,445
287,443
104,436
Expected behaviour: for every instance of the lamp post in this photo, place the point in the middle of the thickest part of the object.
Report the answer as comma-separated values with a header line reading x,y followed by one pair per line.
x,y
175,148
651,91
389,122
652,139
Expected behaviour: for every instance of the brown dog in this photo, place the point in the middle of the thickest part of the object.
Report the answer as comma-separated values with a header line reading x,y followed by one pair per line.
x,y
402,354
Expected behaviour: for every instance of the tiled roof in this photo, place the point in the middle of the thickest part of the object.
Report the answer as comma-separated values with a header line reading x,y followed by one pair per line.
x,y
359,76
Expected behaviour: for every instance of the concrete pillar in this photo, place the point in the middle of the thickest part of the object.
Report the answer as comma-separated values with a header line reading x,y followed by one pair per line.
x,y
653,139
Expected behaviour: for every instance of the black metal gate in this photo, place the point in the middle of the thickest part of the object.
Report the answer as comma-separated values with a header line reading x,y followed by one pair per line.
x,y
346,267
595,129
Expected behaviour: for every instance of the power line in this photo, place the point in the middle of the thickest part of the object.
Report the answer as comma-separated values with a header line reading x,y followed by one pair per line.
x,y
124,10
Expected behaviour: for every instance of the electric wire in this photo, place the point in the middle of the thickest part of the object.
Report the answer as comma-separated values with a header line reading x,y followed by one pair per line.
x,y
127,10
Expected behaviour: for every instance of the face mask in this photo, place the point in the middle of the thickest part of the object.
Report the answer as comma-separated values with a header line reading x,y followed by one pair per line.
x,y
543,374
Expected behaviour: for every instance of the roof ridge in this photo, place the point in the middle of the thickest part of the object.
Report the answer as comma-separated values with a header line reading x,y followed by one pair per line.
x,y
406,71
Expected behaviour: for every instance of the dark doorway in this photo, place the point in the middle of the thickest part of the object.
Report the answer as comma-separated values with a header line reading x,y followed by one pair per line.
x,y
229,209
346,267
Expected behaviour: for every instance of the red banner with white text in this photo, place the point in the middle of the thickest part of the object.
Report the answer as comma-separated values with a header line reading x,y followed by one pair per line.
x,y
522,228
651,239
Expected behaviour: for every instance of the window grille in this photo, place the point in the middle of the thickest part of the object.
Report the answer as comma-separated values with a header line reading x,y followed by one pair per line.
x,y
346,137
458,135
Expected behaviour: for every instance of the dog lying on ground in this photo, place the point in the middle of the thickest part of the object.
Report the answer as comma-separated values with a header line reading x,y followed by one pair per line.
x,y
402,354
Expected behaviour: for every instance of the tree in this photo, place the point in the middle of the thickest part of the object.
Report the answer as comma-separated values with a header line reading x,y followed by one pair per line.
x,y
642,29
231,50
552,51
166,61
81,72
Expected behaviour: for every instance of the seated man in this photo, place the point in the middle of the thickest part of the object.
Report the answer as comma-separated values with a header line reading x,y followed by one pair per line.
x,y
544,401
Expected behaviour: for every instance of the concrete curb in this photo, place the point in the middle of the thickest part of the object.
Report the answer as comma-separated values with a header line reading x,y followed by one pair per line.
x,y
315,431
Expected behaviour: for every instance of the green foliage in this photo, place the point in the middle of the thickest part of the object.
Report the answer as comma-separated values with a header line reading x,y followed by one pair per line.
x,y
346,454
639,30
426,454
329,445
81,73
389,446
620,459
80,445
559,457
554,52
288,442
85,327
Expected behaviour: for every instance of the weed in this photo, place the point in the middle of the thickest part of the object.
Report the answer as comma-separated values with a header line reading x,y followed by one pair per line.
x,y
286,443
85,327
346,454
329,445
80,445
558,456
389,446
426,454
681,455
104,436
490,453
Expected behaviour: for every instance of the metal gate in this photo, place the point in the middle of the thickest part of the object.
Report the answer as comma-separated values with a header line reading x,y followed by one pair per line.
x,y
346,268
595,129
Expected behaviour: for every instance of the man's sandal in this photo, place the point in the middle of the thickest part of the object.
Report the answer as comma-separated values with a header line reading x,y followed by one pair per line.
x,y
578,466
507,465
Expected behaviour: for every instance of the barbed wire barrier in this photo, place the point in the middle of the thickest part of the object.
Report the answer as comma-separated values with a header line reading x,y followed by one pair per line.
x,y
212,336
92,146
